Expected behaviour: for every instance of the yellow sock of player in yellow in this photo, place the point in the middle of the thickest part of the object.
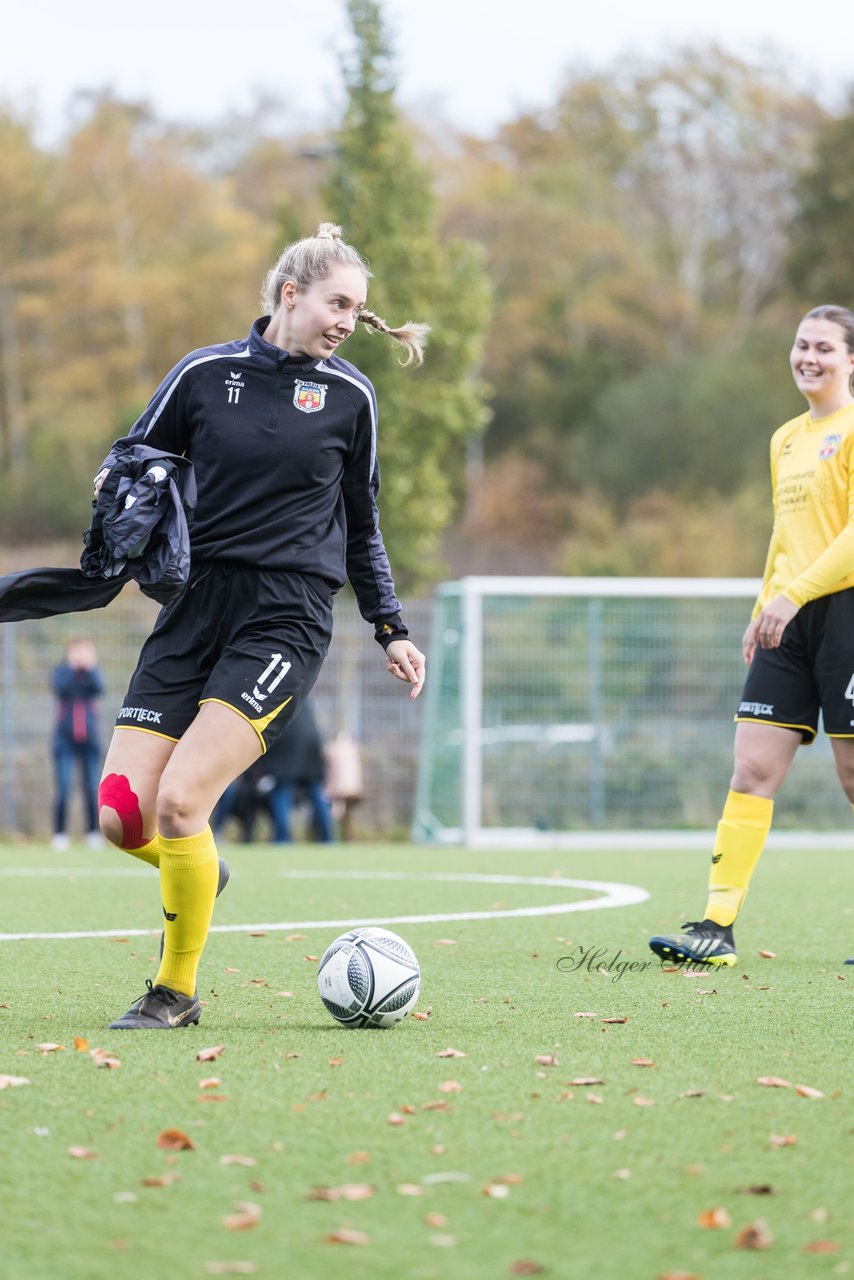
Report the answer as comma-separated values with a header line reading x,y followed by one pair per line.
x,y
740,839
149,852
189,872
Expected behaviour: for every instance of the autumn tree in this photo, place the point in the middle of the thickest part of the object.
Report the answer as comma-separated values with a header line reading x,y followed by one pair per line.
x,y
383,197
820,264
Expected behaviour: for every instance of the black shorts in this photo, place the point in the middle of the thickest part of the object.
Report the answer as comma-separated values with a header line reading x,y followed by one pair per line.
x,y
252,639
812,670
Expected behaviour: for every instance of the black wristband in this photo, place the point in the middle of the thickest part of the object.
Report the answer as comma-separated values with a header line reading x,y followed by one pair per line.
x,y
388,629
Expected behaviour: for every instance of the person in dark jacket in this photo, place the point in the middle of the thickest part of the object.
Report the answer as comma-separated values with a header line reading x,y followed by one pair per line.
x,y
77,685
292,771
282,435
296,768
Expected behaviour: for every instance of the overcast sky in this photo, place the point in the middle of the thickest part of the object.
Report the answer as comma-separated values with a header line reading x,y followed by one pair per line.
x,y
474,63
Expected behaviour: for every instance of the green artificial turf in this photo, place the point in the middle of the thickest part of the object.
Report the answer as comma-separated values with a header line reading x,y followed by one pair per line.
x,y
501,1165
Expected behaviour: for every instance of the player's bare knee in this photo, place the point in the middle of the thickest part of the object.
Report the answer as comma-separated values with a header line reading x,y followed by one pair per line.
x,y
177,810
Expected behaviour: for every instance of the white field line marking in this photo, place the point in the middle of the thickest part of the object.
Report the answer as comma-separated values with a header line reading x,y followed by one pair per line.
x,y
614,895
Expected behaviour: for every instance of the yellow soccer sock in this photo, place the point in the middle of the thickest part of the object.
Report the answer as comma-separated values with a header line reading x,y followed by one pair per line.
x,y
741,835
189,873
149,852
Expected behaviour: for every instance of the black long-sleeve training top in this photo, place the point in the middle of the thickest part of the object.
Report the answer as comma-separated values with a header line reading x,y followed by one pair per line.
x,y
285,458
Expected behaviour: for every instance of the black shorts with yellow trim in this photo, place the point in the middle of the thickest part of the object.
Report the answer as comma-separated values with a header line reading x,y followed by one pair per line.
x,y
252,639
811,671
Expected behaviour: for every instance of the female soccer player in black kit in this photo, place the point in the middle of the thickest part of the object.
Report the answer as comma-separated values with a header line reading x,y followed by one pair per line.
x,y
282,434
799,642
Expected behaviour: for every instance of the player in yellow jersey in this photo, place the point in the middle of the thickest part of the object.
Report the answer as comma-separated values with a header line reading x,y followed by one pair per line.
x,y
799,643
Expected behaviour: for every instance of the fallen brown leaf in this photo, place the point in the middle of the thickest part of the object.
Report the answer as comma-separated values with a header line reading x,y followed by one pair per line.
x,y
419,1016
344,1235
585,1015
359,1157
546,1060
175,1140
230,1268
246,1217
595,1099
395,1118
714,1219
210,1082
759,1189
81,1044
754,1236
768,955
348,1191
450,1053
615,1019
821,1246
435,1220
623,1174
807,1091
581,1081
642,1062
161,1180
640,1101
104,1058
773,1082
335,1062
311,959
445,942
49,1047
496,1190
693,1093
525,1267
450,1086
782,1140
11,1082
82,1153
209,1055
248,1161
409,1189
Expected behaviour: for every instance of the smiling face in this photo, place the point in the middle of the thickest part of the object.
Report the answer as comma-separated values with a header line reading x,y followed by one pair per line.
x,y
822,365
315,321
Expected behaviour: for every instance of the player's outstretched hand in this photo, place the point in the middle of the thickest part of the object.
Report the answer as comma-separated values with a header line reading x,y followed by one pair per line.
x,y
405,662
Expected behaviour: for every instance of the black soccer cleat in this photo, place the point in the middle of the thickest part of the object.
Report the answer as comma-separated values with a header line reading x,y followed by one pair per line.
x,y
159,1009
224,873
702,942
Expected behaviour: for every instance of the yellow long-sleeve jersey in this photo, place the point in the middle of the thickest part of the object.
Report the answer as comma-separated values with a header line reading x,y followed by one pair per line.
x,y
811,552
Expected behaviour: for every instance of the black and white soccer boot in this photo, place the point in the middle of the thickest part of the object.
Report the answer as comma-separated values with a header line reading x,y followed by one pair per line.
x,y
702,941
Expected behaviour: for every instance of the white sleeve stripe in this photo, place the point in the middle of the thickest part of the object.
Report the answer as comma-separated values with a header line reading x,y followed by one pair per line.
x,y
231,355
336,373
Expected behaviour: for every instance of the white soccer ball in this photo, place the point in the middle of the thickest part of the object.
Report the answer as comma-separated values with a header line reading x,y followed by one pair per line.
x,y
369,978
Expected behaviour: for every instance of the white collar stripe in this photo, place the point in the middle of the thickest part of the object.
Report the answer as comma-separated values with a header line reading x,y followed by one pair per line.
x,y
224,355
338,373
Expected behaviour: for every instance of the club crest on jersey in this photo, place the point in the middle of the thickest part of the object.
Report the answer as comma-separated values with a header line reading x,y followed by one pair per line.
x,y
829,446
309,396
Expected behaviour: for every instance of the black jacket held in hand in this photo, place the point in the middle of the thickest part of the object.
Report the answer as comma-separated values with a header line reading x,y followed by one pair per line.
x,y
139,529
140,522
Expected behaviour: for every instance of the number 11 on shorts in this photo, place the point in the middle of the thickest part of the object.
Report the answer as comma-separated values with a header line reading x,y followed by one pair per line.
x,y
276,659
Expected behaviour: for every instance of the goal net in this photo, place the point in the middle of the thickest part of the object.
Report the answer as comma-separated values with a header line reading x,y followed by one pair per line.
x,y
561,708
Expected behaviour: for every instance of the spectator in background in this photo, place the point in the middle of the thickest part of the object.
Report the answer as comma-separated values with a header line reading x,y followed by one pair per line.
x,y
293,770
296,767
77,684
344,780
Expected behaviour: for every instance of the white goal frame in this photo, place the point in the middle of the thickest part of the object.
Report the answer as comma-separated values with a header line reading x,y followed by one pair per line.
x,y
471,592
